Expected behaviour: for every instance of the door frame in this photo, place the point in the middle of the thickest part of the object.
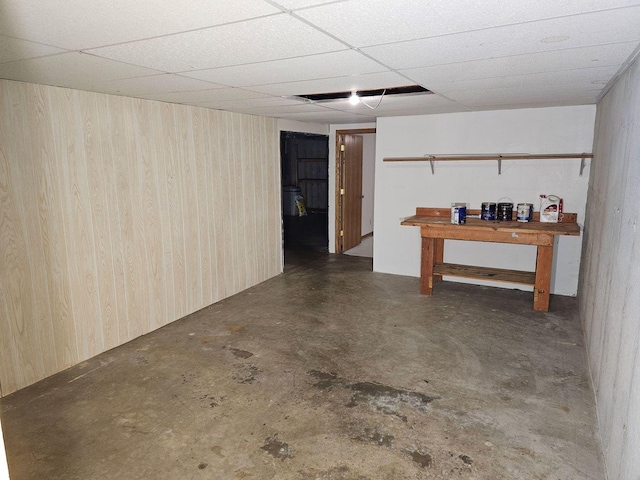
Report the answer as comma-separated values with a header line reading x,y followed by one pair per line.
x,y
339,211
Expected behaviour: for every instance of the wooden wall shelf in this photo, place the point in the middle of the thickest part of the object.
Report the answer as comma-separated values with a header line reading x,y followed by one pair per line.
x,y
495,157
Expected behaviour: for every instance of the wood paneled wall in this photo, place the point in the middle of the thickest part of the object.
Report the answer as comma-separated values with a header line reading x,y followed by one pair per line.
x,y
120,215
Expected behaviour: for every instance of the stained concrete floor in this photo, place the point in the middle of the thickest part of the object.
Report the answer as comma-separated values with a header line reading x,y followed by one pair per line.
x,y
328,371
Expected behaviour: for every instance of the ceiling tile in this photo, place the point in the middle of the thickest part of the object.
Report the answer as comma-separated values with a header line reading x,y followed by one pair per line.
x,y
279,111
200,96
334,64
331,117
579,31
81,24
511,104
592,76
74,70
363,22
474,98
250,102
338,84
259,40
12,49
252,55
557,60
162,83
297,4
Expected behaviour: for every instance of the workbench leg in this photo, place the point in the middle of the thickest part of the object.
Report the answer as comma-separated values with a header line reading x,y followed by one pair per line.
x,y
439,256
541,290
426,265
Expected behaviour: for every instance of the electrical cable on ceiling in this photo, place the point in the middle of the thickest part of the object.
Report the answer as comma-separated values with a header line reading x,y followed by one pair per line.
x,y
379,101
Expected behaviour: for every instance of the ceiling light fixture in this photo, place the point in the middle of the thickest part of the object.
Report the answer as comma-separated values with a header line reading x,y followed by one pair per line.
x,y
354,99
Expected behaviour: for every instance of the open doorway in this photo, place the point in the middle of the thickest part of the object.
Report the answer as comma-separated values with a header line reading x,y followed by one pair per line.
x,y
304,160
355,176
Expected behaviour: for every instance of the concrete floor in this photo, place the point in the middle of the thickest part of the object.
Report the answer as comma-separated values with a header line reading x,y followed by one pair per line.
x,y
329,371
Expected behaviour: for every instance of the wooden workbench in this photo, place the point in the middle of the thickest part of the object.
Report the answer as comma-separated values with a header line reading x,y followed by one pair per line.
x,y
436,227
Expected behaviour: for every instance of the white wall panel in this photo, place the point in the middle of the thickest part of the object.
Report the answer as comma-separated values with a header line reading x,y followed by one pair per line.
x,y
610,275
120,215
401,187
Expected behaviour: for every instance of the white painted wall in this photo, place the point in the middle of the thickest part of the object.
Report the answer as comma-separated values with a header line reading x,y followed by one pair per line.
x,y
610,276
332,176
401,187
368,180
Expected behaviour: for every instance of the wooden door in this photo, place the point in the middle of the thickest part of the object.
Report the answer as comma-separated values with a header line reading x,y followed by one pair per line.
x,y
350,192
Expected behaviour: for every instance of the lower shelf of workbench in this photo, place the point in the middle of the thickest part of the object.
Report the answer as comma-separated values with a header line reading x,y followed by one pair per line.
x,y
484,273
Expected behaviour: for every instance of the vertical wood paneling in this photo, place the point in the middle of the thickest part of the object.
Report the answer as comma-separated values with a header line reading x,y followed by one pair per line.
x,y
217,198
175,213
164,154
61,351
99,176
151,220
201,146
35,307
131,262
15,296
41,320
248,203
119,215
21,281
235,200
275,243
112,142
190,211
223,184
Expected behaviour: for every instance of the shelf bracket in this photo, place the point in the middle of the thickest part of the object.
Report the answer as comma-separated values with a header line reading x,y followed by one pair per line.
x,y
431,158
582,164
499,164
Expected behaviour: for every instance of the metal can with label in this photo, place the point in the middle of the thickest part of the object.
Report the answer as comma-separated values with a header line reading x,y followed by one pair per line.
x,y
505,212
488,211
525,212
458,215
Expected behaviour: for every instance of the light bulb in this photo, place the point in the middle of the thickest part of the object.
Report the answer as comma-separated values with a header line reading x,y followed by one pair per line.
x,y
354,99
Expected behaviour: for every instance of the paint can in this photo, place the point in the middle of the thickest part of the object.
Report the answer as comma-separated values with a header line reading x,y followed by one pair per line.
x,y
458,214
488,211
505,212
525,212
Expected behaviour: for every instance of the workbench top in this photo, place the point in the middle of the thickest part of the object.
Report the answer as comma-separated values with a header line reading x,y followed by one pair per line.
x,y
534,227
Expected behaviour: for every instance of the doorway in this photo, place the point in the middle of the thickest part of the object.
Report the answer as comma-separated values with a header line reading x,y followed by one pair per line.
x,y
355,155
304,161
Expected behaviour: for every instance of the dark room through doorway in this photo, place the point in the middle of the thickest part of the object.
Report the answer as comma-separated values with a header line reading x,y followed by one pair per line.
x,y
304,160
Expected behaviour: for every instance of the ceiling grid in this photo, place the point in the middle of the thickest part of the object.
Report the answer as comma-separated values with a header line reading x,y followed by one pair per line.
x,y
258,56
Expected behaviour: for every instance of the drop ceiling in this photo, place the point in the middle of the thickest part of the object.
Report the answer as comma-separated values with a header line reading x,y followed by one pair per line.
x,y
256,56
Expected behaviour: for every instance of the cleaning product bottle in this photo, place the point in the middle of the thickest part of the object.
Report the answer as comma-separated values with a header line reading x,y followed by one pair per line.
x,y
550,208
